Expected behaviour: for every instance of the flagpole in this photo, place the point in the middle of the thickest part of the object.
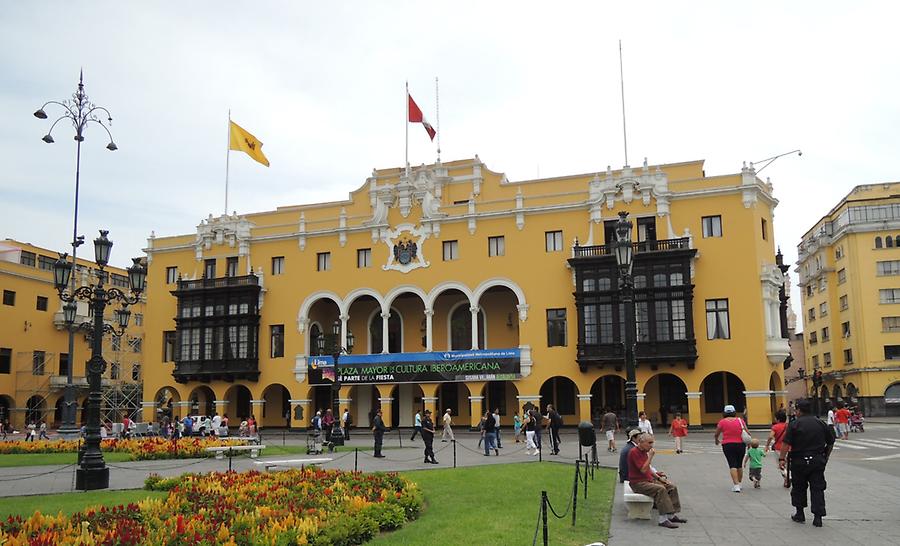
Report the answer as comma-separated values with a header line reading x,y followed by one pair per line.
x,y
227,158
406,117
437,108
622,84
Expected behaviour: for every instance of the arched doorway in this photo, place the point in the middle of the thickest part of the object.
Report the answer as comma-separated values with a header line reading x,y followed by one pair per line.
x,y
201,399
324,397
6,405
165,399
607,391
775,386
718,390
460,328
407,401
665,395
34,409
837,394
852,392
58,411
455,397
376,332
498,318
238,407
824,394
502,395
563,394
276,411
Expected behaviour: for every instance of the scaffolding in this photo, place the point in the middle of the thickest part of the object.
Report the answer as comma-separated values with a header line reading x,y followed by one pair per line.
x,y
33,386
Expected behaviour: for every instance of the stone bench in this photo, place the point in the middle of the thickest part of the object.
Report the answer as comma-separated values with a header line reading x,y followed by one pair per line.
x,y
221,451
290,463
638,505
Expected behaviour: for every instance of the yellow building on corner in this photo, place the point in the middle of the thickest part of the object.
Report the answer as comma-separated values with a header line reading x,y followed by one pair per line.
x,y
849,266
460,289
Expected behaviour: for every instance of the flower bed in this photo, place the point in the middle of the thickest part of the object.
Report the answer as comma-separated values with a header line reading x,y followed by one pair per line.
x,y
311,506
140,449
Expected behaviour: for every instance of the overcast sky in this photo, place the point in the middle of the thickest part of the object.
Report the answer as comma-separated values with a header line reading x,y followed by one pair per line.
x,y
533,88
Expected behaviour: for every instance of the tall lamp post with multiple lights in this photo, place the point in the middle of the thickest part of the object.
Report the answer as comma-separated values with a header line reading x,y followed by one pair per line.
x,y
80,111
93,473
335,349
624,251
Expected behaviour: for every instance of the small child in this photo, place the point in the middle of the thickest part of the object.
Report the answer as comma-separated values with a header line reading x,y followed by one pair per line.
x,y
754,457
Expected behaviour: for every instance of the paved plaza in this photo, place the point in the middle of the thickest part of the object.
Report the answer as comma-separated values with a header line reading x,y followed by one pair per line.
x,y
863,484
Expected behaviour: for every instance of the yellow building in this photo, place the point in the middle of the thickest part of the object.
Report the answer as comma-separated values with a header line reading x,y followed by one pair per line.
x,y
490,293
34,342
849,266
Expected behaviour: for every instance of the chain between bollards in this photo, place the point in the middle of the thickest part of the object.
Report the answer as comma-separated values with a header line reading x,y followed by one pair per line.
x,y
400,437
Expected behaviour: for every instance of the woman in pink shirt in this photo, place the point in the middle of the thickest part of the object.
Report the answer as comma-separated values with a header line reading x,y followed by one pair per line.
x,y
730,429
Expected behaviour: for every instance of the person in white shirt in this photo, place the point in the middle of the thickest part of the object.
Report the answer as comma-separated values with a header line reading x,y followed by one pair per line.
x,y
644,423
346,421
216,423
497,427
830,421
448,432
418,426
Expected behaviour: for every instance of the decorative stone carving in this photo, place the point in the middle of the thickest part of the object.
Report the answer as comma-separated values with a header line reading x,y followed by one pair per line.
x,y
405,248
226,229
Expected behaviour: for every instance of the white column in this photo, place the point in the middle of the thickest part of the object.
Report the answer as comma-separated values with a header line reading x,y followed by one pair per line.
x,y
385,320
429,341
257,406
344,319
693,395
474,311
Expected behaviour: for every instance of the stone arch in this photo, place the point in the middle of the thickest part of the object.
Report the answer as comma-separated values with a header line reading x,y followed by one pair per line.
x,y
499,281
503,395
358,293
277,408
877,242
562,392
718,389
303,314
202,398
607,391
776,386
502,310
35,407
824,393
166,398
852,392
397,290
665,395
238,407
837,393
395,326
455,397
892,394
446,286
482,331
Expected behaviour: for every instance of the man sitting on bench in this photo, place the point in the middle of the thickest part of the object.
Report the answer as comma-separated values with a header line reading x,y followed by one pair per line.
x,y
653,483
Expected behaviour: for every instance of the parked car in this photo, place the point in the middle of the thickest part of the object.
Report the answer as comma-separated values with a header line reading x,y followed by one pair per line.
x,y
202,425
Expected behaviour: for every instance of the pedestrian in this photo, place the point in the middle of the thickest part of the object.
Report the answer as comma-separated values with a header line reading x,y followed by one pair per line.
x,y
644,423
776,436
417,427
517,427
490,434
378,429
29,435
678,431
448,431
829,419
216,423
43,435
188,425
609,424
754,457
530,427
126,426
481,431
328,425
646,480
428,437
732,429
223,425
252,426
842,422
623,455
555,425
347,420
810,442
3,430
497,427
538,426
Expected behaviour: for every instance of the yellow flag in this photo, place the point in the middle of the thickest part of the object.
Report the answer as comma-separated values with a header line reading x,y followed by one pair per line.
x,y
242,141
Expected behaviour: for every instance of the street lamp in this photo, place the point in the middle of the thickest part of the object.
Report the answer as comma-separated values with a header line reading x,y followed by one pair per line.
x,y
624,251
336,351
93,473
769,160
80,111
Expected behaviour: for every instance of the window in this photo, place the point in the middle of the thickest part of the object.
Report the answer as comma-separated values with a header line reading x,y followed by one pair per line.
x,y
646,229
42,303
171,274
209,269
813,338
231,266
46,263
38,359
114,370
892,352
877,242
5,360
890,324
451,250
845,329
811,313
848,356
590,324
27,258
888,268
889,242
169,346
826,359
842,276
277,333
323,261
136,371
138,319
278,265
136,345
363,258
9,297
553,241
889,295
556,327
823,284
119,281
815,361
843,302
116,343
826,335
712,226
717,326
496,246
63,364
809,290
823,309
764,227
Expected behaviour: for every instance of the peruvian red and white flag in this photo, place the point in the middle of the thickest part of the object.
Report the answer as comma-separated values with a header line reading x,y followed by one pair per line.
x,y
415,115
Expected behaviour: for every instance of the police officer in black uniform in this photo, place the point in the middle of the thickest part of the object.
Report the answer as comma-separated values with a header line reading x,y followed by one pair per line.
x,y
810,442
428,437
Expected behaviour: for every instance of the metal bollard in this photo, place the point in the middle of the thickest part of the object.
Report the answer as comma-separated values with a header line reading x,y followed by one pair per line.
x,y
356,459
585,475
544,517
454,453
575,492
400,437
283,432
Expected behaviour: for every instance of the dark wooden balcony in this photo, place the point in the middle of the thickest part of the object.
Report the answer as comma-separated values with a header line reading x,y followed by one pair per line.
x,y
243,369
218,282
642,247
651,353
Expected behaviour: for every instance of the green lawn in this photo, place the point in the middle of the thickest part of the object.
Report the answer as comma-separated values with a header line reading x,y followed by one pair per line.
x,y
69,503
37,459
498,504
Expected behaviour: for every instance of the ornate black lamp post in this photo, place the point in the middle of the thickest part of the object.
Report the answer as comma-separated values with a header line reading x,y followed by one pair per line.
x,y
625,260
336,350
80,111
93,473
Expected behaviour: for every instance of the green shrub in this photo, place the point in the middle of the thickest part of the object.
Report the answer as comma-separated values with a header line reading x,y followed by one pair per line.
x,y
155,482
388,516
346,531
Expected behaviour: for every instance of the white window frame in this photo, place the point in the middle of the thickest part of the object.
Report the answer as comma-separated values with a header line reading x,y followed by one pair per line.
x,y
553,241
718,320
363,258
496,246
171,274
277,265
323,261
450,250
712,226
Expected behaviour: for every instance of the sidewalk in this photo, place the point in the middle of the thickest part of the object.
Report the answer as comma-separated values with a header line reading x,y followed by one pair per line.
x,y
861,504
